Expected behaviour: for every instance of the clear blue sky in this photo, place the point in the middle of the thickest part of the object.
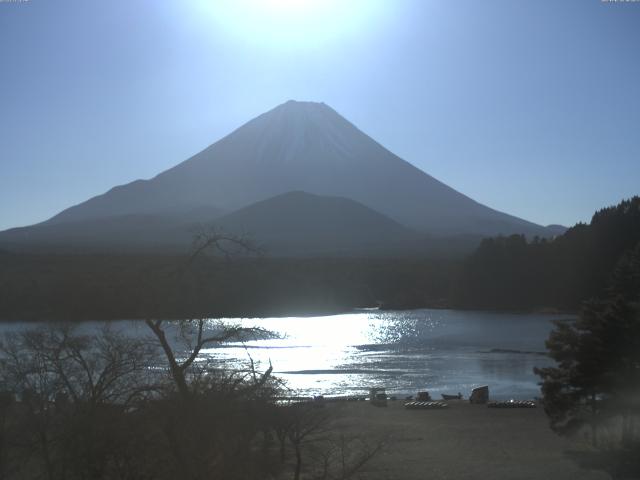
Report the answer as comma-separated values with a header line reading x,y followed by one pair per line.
x,y
530,107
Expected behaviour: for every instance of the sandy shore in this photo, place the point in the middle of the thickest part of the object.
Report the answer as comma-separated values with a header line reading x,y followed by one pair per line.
x,y
462,442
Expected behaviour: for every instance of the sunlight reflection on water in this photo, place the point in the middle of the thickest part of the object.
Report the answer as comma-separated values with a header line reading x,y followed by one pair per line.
x,y
443,351
439,350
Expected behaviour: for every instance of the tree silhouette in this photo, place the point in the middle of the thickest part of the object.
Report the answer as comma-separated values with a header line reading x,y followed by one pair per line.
x,y
597,374
514,273
198,333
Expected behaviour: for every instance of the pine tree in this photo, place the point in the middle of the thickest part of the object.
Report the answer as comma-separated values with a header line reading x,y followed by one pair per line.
x,y
597,371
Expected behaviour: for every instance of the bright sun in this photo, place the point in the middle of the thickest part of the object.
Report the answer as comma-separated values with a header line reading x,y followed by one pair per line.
x,y
291,23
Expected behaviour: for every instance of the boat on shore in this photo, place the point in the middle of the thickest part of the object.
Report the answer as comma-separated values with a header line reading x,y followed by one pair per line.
x,y
452,397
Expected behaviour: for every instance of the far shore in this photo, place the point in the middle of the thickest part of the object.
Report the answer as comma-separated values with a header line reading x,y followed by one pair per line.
x,y
296,313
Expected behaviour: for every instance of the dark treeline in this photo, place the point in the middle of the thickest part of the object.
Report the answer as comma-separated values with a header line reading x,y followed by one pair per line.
x,y
504,273
81,287
513,273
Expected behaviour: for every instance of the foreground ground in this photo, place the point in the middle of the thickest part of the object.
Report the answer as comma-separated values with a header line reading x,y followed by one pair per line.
x,y
462,442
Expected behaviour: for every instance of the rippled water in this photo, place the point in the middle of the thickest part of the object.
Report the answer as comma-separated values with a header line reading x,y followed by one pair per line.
x,y
443,351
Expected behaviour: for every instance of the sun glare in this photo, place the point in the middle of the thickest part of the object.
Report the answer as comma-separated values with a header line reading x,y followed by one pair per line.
x,y
291,23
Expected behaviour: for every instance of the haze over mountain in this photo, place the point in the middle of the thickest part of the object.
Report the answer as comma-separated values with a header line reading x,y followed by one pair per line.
x,y
297,146
127,232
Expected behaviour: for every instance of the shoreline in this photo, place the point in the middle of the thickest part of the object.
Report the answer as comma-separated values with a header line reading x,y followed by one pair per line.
x,y
293,313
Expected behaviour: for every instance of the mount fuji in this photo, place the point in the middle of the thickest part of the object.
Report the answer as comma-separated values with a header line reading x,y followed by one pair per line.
x,y
296,147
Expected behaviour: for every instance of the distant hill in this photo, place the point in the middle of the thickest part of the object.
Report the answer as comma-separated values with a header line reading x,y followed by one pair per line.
x,y
555,230
299,223
293,224
297,146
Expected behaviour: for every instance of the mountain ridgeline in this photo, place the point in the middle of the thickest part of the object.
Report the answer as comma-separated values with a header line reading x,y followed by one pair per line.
x,y
301,179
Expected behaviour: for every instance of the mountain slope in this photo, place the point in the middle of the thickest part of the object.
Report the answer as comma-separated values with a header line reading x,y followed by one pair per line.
x,y
292,224
139,231
303,146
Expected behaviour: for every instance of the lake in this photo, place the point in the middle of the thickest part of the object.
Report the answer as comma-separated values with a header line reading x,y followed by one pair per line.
x,y
442,351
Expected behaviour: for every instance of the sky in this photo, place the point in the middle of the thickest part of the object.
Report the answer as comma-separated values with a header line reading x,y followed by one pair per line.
x,y
529,107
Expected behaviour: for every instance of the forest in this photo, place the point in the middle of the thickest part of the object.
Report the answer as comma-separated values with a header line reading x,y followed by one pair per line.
x,y
513,273
504,274
95,287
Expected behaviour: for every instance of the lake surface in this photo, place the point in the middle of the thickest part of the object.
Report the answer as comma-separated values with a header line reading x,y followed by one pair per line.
x,y
442,351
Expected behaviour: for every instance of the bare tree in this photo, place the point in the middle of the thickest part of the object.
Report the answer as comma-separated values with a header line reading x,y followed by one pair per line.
x,y
211,240
92,406
320,453
71,387
306,420
199,332
343,457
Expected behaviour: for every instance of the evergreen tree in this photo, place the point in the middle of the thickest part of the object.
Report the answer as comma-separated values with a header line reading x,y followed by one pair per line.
x,y
513,273
597,372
